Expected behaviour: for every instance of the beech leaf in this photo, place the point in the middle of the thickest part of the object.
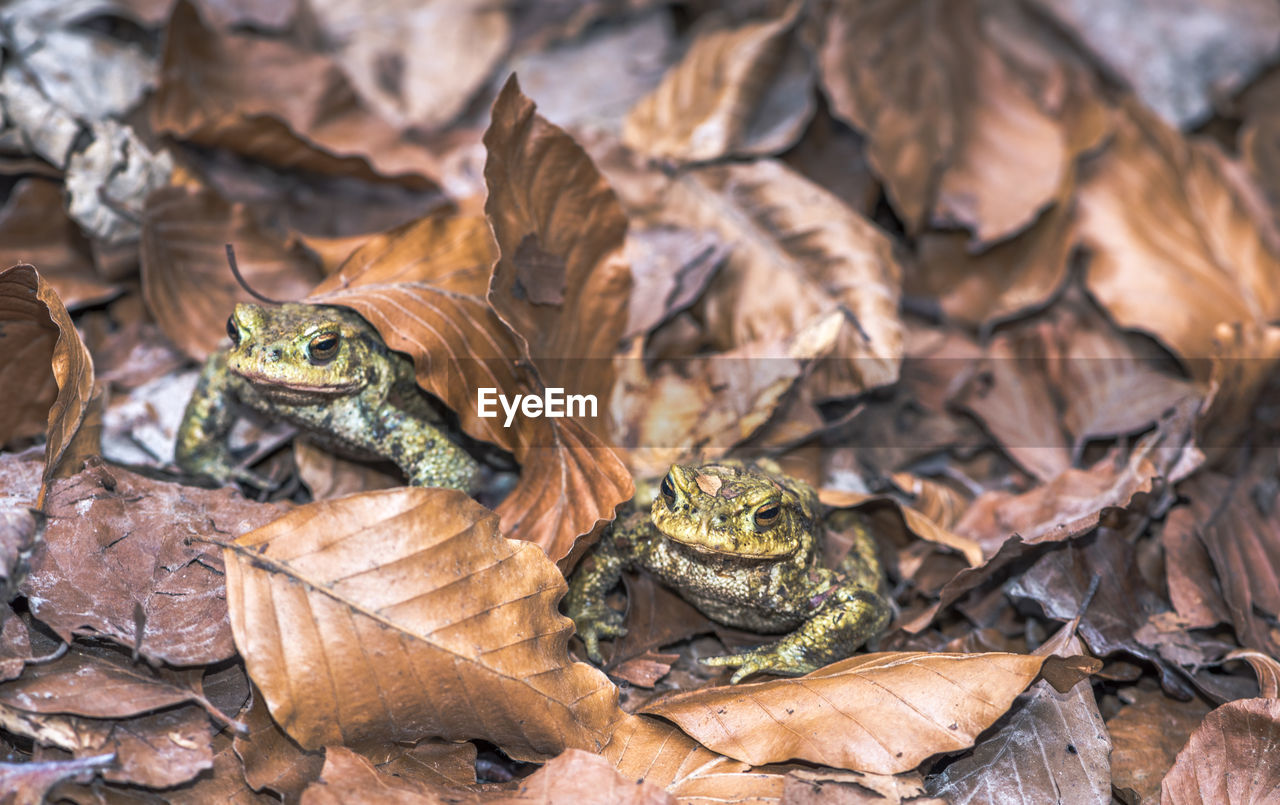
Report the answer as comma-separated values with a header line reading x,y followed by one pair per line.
x,y
1229,758
882,713
402,614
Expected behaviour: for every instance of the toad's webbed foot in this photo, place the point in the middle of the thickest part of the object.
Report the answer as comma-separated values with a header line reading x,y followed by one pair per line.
x,y
596,622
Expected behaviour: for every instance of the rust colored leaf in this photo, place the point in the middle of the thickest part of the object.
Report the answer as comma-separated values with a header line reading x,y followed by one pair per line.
x,y
270,759
1193,584
560,281
1147,734
187,282
656,616
36,332
371,617
433,761
329,476
1229,758
671,267
974,110
1266,667
657,752
1185,258
882,713
570,480
1052,742
916,522
747,91
118,544
35,229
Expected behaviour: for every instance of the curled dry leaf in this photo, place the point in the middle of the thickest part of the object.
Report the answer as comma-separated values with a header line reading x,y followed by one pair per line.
x,y
882,713
269,759
917,523
119,556
45,364
29,783
187,282
1265,666
1176,251
745,91
371,617
1229,758
974,110
560,282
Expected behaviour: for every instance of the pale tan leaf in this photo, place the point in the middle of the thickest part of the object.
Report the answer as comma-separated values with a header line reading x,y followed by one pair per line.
x,y
882,713
745,91
560,281
1230,758
974,110
402,614
657,752
1175,251
186,279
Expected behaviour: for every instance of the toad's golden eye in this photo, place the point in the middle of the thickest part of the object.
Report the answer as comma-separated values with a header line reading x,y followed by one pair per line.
x,y
767,515
323,348
668,491
233,331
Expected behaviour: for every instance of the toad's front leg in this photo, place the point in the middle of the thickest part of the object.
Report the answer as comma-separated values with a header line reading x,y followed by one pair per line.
x,y
849,616
202,447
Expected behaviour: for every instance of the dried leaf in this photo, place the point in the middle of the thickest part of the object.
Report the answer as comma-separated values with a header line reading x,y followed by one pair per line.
x,y
670,267
270,759
974,111
882,713
35,332
560,282
1146,735
1185,258
743,92
28,783
142,531
187,282
396,54
20,475
917,523
329,476
368,618
652,750
35,229
1266,667
1229,758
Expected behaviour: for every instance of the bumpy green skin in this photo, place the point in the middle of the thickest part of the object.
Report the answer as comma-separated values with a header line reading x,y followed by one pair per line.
x,y
363,401
705,539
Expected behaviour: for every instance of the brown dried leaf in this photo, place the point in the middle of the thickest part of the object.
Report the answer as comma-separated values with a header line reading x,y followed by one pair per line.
x,y
140,531
743,92
29,783
370,617
1185,257
560,282
1193,587
1051,742
1265,666
276,103
974,110
35,332
882,713
20,475
573,776
657,752
270,759
186,280
1146,735
432,761
35,229
570,481
670,267
916,522
1229,758
329,476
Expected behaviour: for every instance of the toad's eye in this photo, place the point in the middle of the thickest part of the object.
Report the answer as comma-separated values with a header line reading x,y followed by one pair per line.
x,y
668,491
768,515
233,331
323,348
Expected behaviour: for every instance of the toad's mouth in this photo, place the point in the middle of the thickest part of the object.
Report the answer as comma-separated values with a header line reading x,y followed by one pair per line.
x,y
702,545
286,391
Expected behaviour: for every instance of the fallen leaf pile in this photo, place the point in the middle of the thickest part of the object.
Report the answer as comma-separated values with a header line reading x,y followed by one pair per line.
x,y
1000,278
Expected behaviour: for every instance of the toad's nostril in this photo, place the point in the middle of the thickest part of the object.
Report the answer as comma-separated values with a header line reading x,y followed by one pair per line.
x,y
273,355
